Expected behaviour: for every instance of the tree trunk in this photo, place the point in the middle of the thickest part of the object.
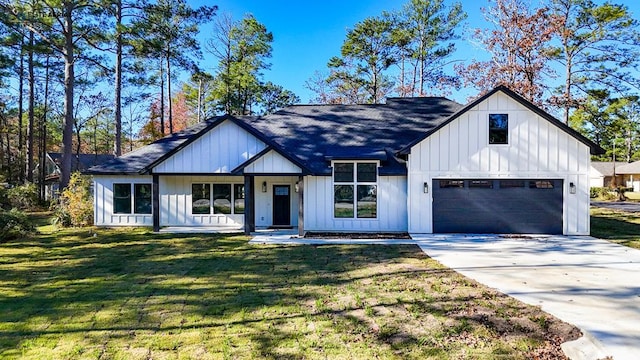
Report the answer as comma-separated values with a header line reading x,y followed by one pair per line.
x,y
20,113
30,126
69,82
43,134
169,100
161,98
117,146
199,100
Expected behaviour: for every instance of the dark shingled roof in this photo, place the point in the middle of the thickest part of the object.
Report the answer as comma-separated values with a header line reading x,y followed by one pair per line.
x,y
316,134
82,162
311,135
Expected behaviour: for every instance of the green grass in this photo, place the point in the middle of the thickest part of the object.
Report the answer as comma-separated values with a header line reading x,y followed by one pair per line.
x,y
133,294
616,226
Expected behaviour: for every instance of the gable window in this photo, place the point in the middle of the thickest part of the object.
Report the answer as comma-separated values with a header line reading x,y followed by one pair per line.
x,y
128,197
498,128
355,190
222,198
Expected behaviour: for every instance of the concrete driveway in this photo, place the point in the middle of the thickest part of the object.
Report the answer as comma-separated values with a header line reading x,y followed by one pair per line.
x,y
587,282
627,206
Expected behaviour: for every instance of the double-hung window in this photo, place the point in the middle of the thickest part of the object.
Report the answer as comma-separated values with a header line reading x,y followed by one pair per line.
x,y
127,197
355,190
221,198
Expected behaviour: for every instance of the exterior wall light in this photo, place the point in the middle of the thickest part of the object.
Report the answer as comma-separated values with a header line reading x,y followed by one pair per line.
x,y
264,186
425,188
296,187
572,188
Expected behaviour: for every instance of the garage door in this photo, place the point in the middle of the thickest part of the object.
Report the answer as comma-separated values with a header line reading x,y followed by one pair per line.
x,y
497,206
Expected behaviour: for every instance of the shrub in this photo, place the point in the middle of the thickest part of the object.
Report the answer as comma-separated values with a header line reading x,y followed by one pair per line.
x,y
75,207
23,197
14,224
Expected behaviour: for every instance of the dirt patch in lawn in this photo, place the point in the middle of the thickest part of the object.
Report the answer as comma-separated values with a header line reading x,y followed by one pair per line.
x,y
334,235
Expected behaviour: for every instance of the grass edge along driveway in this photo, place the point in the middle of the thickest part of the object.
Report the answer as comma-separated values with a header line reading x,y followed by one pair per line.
x,y
133,294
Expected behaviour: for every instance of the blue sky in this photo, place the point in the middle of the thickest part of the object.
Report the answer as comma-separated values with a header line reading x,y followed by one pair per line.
x,y
308,32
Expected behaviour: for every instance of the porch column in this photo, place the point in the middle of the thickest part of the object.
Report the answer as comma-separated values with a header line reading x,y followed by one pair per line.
x,y
249,204
300,186
155,200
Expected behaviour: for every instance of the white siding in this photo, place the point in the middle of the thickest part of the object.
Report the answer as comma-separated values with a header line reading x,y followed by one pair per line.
x,y
175,202
103,203
219,151
536,149
272,163
264,200
318,206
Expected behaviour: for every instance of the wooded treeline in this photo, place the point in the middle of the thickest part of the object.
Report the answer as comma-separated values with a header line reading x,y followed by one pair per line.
x,y
99,76
576,58
104,76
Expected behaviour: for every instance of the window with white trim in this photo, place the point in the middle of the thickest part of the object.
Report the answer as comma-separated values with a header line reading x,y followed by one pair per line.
x,y
128,197
355,190
226,199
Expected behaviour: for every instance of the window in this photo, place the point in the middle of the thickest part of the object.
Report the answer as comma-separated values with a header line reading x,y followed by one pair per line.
x,y
504,184
451,184
343,201
142,198
355,190
200,199
541,184
221,199
122,198
343,172
238,195
124,202
485,184
498,129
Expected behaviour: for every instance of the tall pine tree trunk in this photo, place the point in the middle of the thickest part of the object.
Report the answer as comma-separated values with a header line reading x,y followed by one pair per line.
x,y
30,126
43,134
69,82
162,98
169,102
118,86
20,113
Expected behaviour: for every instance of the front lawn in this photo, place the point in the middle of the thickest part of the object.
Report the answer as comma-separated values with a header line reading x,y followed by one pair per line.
x,y
132,294
616,226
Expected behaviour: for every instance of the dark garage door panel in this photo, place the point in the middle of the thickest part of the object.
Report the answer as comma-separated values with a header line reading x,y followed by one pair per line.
x,y
518,210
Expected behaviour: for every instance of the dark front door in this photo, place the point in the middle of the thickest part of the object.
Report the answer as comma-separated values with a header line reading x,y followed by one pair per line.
x,y
281,205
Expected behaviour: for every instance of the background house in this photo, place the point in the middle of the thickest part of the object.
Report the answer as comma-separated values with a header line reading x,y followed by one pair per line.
x,y
601,173
630,173
79,162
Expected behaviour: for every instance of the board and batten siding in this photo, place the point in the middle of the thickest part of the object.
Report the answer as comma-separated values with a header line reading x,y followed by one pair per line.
x,y
176,202
103,204
536,149
391,210
272,163
221,150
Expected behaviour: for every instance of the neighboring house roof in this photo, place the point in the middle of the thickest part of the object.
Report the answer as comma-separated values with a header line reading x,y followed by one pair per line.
x,y
310,136
606,167
79,162
629,168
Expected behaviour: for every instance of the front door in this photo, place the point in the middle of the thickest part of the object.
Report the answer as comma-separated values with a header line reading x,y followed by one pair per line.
x,y
281,205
